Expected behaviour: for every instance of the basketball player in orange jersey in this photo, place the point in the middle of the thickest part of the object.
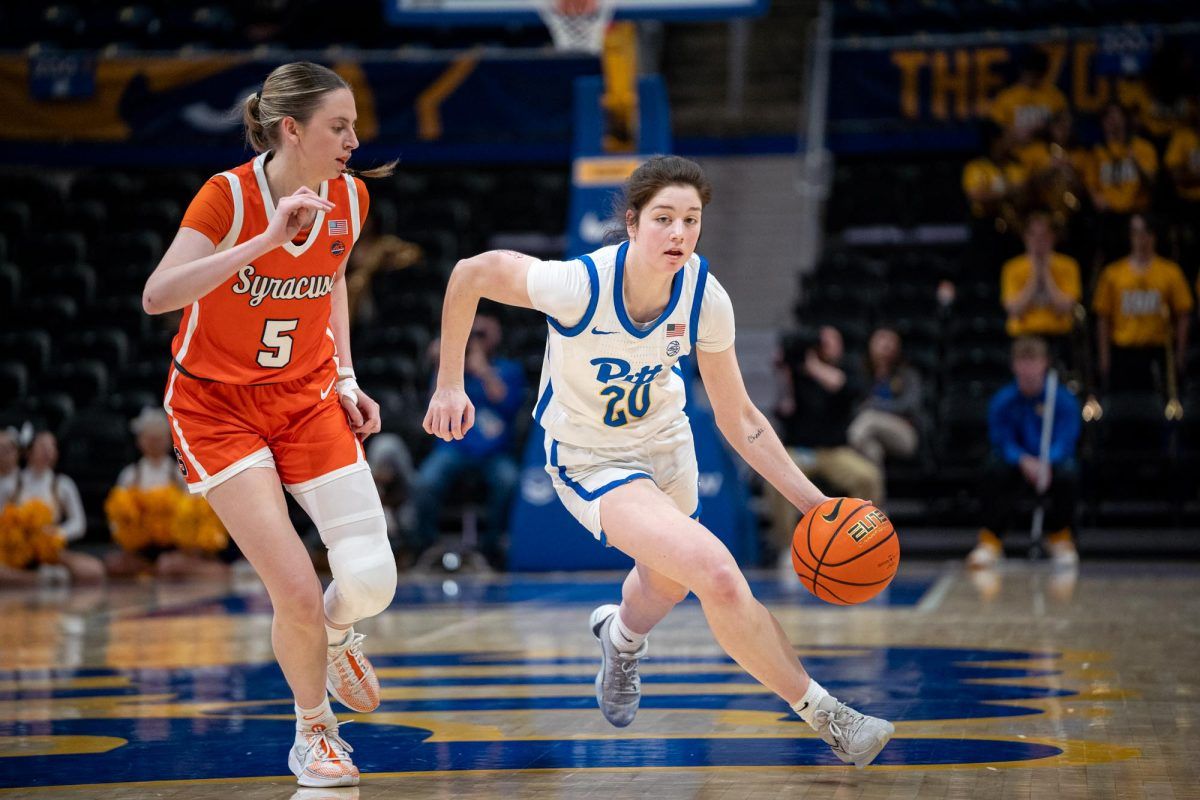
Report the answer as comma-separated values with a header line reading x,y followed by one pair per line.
x,y
261,391
618,442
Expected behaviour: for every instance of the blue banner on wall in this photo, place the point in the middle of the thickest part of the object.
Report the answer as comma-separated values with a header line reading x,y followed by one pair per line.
x,y
464,106
898,94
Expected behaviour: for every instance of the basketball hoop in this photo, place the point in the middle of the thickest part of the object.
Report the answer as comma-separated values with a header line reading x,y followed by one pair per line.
x,y
577,25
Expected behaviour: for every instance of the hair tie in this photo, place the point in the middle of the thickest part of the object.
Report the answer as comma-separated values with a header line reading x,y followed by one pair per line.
x,y
258,96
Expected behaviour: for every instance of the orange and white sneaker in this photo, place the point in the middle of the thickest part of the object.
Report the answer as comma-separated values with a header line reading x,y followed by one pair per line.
x,y
349,676
321,758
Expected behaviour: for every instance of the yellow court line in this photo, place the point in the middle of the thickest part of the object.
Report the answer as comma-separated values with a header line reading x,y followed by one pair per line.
x,y
1075,753
543,670
26,746
93,682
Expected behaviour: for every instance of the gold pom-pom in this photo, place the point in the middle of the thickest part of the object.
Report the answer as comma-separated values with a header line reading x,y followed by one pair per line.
x,y
198,528
164,517
160,507
28,535
125,519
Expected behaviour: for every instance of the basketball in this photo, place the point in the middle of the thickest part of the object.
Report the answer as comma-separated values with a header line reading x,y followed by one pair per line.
x,y
845,551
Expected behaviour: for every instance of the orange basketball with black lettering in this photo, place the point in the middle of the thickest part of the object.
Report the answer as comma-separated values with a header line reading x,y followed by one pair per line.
x,y
845,551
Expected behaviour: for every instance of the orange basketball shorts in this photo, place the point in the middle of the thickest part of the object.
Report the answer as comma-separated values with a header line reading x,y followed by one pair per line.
x,y
222,429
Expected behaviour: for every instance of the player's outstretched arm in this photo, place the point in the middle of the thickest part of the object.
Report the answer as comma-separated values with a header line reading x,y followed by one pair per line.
x,y
498,275
749,431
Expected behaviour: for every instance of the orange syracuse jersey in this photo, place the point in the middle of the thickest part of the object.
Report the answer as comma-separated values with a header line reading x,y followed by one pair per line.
x,y
269,322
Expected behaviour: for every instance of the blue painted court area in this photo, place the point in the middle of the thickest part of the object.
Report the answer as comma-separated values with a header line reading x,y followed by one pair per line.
x,y
183,750
472,591
179,717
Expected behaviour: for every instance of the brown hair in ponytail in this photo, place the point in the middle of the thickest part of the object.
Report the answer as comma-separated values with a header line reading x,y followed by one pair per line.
x,y
293,90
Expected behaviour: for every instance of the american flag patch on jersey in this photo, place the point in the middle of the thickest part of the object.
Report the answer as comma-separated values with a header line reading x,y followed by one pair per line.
x,y
339,227
674,330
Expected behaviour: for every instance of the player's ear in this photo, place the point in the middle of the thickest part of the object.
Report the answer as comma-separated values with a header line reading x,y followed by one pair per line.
x,y
630,223
290,129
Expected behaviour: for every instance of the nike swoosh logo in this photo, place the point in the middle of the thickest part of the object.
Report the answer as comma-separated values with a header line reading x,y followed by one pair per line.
x,y
599,332
832,515
801,707
325,393
626,638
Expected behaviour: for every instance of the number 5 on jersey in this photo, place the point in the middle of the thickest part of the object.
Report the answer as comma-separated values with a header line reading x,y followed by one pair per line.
x,y
278,344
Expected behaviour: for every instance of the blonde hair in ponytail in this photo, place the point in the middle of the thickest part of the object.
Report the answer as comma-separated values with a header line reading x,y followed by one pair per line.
x,y
293,90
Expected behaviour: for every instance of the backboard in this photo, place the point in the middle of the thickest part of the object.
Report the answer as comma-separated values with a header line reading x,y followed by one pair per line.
x,y
469,13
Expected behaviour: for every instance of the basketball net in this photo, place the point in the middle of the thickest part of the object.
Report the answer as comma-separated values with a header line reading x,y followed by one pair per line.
x,y
577,25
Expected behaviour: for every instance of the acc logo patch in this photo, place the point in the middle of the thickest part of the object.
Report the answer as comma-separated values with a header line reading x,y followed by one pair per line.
x,y
338,247
179,460
673,349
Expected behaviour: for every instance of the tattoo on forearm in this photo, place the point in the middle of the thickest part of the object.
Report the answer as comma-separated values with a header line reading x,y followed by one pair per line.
x,y
754,436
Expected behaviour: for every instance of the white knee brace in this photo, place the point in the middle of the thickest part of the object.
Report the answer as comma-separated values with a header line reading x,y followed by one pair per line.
x,y
349,517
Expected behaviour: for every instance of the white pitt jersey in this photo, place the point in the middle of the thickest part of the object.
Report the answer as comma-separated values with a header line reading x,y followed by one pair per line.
x,y
607,381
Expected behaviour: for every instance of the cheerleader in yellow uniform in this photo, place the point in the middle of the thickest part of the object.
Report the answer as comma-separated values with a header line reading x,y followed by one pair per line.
x,y
42,513
159,528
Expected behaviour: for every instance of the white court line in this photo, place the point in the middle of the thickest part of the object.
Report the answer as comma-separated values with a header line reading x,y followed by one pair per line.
x,y
933,598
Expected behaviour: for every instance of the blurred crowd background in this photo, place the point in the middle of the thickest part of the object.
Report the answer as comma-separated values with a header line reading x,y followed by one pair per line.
x,y
920,206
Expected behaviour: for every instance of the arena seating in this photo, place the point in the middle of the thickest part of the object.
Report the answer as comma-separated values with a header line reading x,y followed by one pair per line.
x,y
80,357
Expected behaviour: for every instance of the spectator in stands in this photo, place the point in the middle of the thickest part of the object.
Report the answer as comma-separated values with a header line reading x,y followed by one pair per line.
x,y
817,397
39,481
1140,301
374,252
1014,472
1183,161
1122,176
889,419
1060,166
1040,289
1025,108
496,387
994,185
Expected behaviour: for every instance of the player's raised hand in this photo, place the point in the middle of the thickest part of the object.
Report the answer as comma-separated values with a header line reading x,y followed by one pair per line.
x,y
294,213
450,414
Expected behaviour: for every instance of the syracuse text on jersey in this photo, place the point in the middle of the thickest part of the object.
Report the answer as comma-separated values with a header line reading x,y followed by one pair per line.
x,y
260,287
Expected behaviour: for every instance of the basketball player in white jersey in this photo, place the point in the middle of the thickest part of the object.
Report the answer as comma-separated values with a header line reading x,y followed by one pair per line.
x,y
618,444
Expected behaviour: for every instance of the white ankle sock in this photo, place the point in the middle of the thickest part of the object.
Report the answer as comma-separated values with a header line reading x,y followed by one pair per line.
x,y
806,706
335,636
306,718
622,638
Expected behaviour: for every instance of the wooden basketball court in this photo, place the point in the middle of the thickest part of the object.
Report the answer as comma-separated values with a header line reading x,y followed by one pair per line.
x,y
1023,683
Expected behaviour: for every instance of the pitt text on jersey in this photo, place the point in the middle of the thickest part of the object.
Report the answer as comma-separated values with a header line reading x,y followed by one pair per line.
x,y
638,394
260,287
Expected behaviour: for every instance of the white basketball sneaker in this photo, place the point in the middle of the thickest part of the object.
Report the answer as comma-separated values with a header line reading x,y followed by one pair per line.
x,y
618,685
321,758
855,738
